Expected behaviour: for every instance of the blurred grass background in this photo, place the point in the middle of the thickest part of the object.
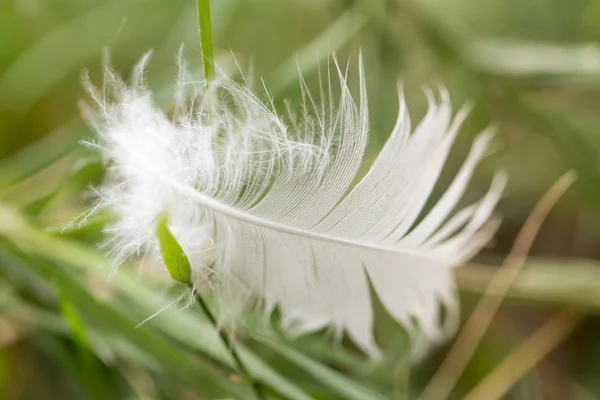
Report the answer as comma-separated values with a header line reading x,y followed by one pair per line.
x,y
532,67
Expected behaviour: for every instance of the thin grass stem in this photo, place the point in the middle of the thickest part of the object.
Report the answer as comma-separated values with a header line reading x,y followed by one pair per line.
x,y
205,31
228,343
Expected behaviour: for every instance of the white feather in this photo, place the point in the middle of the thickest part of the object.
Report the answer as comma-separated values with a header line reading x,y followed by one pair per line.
x,y
265,206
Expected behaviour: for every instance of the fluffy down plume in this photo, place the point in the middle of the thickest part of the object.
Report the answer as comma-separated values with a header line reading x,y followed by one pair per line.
x,y
266,208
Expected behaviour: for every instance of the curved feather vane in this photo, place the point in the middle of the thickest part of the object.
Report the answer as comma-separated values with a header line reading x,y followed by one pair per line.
x,y
266,206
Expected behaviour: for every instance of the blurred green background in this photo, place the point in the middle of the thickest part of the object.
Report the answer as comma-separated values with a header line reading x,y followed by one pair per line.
x,y
532,69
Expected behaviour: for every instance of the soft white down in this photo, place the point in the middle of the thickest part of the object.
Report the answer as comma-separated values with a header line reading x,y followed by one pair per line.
x,y
267,208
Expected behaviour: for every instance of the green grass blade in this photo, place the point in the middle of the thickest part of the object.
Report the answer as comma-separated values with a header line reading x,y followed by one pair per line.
x,y
336,382
76,327
205,29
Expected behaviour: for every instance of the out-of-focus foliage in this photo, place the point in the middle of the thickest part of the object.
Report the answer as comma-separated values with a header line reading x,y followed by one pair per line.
x,y
531,67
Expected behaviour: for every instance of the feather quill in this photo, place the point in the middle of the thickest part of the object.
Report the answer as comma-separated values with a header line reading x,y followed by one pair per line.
x,y
264,205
